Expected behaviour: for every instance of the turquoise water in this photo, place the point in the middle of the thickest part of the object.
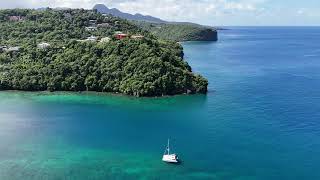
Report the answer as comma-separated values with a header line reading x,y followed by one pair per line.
x,y
259,121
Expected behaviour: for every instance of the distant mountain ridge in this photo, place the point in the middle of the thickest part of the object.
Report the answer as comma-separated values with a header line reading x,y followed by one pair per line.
x,y
136,17
176,31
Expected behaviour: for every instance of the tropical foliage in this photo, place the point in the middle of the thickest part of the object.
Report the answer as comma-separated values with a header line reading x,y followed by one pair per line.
x,y
140,67
179,32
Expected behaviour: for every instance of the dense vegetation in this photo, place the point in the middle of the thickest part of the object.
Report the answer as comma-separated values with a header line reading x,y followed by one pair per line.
x,y
179,32
139,67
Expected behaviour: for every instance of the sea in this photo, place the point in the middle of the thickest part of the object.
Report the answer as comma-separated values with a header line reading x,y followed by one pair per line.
x,y
259,121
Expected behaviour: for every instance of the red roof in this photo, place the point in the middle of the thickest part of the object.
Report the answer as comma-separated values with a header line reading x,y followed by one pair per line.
x,y
121,36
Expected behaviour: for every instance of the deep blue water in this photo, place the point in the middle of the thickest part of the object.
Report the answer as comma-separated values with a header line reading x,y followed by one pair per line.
x,y
260,119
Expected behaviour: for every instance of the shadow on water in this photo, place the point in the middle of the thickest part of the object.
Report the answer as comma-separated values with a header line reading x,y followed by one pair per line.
x,y
179,163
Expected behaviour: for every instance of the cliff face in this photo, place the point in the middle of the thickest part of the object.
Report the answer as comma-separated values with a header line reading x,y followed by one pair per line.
x,y
201,34
207,35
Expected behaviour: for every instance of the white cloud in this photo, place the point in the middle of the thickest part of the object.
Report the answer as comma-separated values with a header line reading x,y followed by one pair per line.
x,y
186,10
239,6
165,8
301,11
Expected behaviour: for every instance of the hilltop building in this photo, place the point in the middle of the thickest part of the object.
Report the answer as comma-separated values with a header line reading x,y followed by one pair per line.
x,y
11,49
91,28
93,21
121,36
104,25
105,40
17,18
43,45
92,38
137,37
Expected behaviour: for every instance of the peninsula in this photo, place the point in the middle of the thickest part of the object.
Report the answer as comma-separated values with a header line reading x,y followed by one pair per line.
x,y
83,50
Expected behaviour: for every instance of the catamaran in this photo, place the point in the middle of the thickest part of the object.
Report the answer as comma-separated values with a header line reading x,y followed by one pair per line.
x,y
170,158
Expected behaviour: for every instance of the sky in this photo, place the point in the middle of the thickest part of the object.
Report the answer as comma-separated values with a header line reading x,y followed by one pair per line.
x,y
208,12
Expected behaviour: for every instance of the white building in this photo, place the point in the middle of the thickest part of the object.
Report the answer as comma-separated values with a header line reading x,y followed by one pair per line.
x,y
92,38
105,40
91,28
103,25
137,37
12,49
43,45
92,21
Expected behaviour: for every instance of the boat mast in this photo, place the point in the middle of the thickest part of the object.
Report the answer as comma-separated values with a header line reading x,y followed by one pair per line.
x,y
168,148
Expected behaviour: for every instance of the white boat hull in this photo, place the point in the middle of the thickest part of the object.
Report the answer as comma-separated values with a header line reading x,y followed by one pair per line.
x,y
170,158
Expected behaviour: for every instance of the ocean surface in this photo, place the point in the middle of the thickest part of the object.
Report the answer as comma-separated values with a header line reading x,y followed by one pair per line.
x,y
259,121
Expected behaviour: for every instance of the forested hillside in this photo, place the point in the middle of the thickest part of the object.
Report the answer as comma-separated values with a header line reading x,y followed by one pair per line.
x,y
77,50
179,32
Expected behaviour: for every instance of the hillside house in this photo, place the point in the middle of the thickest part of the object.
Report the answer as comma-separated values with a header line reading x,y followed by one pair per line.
x,y
92,39
12,49
43,45
137,37
105,40
17,18
103,25
121,36
92,22
91,28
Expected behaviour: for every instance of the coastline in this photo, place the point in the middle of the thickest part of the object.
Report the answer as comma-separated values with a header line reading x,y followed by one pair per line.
x,y
100,94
